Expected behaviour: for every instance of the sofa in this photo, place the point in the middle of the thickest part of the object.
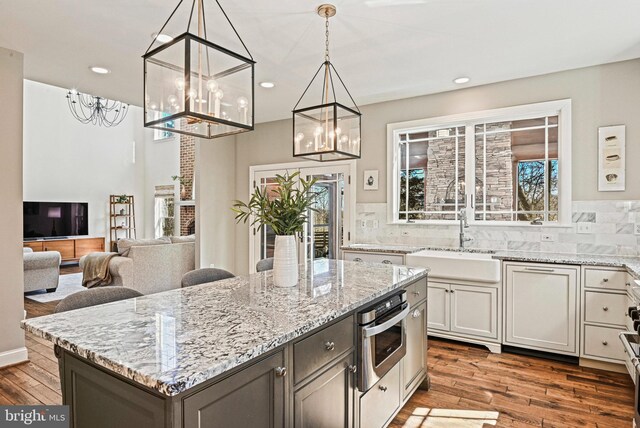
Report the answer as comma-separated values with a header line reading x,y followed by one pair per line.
x,y
151,265
41,270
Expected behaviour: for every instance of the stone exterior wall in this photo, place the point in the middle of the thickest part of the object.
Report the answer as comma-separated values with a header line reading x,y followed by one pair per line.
x,y
440,189
187,170
500,171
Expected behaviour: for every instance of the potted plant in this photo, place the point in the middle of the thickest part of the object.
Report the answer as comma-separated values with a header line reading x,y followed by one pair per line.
x,y
284,207
184,182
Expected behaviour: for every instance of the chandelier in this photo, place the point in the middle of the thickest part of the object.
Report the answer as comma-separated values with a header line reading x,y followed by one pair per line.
x,y
96,110
330,130
196,87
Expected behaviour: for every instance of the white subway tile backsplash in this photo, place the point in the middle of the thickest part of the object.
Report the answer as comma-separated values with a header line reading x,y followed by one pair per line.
x,y
613,231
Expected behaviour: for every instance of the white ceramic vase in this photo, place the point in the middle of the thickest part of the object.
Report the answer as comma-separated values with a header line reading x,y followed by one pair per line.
x,y
285,261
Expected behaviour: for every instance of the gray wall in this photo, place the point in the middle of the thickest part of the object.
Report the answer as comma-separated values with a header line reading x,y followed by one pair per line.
x,y
12,279
602,95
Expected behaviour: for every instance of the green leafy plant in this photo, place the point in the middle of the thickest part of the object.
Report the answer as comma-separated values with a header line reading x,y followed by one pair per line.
x,y
283,206
183,180
122,199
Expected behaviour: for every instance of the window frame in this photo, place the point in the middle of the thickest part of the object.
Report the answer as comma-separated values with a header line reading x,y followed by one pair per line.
x,y
561,108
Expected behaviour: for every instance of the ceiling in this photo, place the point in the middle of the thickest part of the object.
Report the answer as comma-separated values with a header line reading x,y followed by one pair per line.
x,y
383,49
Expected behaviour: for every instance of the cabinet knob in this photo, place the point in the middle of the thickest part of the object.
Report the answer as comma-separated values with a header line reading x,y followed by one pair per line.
x,y
416,313
605,308
353,368
605,343
605,279
446,291
357,259
329,346
387,262
281,371
453,291
382,388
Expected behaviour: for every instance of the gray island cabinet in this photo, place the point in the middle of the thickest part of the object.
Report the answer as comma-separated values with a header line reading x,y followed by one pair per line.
x,y
239,352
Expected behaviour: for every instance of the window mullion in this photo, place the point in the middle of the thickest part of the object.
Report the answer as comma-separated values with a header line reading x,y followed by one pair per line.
x,y
470,170
547,174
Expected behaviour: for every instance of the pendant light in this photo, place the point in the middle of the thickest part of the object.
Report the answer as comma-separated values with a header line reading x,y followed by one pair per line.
x,y
196,87
330,130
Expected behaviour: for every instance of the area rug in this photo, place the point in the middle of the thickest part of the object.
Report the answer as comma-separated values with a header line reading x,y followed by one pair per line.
x,y
68,284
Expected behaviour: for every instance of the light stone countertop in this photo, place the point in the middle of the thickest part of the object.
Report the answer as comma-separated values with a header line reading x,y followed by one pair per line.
x,y
177,339
632,264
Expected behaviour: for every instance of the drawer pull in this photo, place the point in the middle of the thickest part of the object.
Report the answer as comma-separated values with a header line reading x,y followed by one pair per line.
x,y
329,346
357,259
281,371
605,308
415,313
382,388
387,262
628,284
416,293
539,269
605,343
605,279
353,368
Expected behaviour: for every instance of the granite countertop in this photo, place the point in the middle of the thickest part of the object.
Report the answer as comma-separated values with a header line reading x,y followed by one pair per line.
x,y
382,248
632,264
177,339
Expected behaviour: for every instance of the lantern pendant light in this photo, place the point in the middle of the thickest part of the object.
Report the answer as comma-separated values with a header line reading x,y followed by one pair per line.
x,y
330,130
193,86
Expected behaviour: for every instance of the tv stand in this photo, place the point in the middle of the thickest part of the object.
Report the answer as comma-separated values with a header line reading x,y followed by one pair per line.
x,y
70,248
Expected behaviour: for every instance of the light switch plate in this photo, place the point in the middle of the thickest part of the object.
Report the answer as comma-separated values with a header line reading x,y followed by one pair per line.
x,y
584,227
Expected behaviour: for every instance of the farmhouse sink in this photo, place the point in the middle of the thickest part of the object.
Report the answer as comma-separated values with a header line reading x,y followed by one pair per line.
x,y
458,265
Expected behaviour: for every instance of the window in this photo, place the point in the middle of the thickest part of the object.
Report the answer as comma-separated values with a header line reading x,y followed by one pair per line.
x,y
164,211
517,160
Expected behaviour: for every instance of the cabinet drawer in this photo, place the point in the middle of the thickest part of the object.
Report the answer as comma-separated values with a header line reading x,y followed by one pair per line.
x,y
86,246
417,292
391,259
603,342
604,278
65,248
605,308
380,403
312,353
35,246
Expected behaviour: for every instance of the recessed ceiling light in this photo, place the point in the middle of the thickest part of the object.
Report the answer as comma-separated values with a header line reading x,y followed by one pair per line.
x,y
162,38
100,70
267,85
461,80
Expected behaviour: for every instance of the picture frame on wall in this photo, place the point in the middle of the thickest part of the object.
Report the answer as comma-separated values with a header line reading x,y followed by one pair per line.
x,y
611,158
370,181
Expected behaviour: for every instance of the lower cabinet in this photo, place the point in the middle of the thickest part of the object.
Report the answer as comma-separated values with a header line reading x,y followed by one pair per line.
x,y
379,404
541,307
242,400
328,400
464,310
414,364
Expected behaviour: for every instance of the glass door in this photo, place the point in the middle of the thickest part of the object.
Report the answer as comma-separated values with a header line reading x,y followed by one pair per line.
x,y
327,228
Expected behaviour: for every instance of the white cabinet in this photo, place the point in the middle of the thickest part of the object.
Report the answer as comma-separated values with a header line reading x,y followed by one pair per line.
x,y
464,311
541,307
368,257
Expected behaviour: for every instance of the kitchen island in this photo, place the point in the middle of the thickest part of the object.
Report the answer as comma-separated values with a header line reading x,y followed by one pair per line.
x,y
238,352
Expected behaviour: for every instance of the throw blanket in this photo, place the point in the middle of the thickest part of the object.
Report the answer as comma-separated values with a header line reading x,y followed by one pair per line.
x,y
95,269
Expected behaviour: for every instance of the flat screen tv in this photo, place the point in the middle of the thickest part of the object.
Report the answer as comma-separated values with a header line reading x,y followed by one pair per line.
x,y
55,219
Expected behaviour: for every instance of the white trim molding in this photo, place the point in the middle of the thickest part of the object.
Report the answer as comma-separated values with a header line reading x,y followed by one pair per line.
x,y
561,108
13,357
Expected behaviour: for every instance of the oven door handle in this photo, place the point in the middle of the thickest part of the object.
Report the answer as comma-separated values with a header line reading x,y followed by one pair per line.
x,y
372,331
627,347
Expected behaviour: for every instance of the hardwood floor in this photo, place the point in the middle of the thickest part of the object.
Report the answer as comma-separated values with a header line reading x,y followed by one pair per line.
x,y
470,387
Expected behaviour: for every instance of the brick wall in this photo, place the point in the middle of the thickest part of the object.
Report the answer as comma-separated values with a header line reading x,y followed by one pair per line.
x,y
187,169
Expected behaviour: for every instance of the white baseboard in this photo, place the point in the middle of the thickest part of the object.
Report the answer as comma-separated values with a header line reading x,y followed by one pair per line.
x,y
14,356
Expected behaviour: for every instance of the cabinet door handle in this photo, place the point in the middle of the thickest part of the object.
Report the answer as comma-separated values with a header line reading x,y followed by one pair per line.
x,y
382,388
605,308
281,371
329,346
415,314
357,259
353,368
605,279
605,343
539,269
387,262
